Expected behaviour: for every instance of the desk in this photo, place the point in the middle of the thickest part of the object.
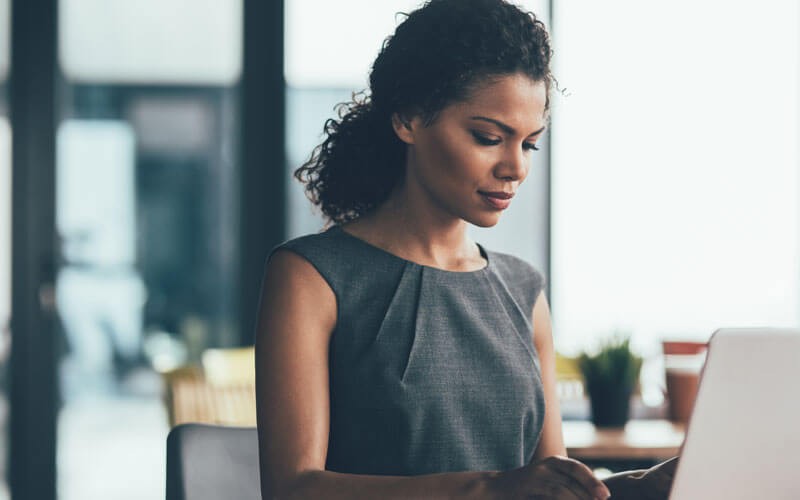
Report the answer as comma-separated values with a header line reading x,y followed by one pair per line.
x,y
655,440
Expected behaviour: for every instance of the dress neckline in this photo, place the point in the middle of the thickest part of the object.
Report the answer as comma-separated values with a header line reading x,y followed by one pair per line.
x,y
483,252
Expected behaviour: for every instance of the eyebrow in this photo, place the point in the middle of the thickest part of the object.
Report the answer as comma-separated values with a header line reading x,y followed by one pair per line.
x,y
506,128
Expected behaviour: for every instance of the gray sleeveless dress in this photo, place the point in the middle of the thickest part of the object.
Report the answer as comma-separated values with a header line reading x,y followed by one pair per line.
x,y
430,370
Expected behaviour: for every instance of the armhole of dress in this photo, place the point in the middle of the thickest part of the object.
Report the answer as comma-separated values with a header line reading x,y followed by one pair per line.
x,y
539,284
293,249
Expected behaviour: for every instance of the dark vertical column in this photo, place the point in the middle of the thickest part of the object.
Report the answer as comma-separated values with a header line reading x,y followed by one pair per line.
x,y
263,156
3,106
32,428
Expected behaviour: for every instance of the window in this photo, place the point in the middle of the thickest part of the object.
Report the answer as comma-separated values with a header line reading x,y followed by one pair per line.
x,y
178,41
146,214
675,169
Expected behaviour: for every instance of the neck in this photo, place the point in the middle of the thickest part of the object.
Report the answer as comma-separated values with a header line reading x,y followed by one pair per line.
x,y
406,227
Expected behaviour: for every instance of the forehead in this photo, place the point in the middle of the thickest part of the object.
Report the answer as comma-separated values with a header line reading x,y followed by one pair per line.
x,y
515,99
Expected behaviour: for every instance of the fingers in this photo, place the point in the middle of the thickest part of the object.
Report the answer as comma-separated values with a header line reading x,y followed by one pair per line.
x,y
554,478
577,477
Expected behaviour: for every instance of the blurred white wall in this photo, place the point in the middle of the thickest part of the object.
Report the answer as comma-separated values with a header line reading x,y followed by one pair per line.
x,y
332,44
675,168
175,41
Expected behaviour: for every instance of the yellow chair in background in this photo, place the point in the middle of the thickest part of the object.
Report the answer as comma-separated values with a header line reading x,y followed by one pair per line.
x,y
233,366
220,391
569,381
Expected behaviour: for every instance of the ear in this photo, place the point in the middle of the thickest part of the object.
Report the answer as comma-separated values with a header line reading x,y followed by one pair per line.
x,y
403,127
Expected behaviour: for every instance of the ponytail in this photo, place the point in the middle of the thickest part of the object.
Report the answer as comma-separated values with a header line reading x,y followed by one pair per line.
x,y
355,169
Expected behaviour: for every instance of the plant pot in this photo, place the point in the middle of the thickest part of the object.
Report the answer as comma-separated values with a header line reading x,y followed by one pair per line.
x,y
610,405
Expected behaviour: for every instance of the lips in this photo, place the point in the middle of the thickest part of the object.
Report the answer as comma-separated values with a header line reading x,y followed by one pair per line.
x,y
499,200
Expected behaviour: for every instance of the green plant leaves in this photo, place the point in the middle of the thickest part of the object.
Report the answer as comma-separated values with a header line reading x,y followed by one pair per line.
x,y
614,365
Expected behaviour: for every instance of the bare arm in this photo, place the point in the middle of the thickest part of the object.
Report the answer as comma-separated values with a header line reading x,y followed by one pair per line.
x,y
552,439
297,315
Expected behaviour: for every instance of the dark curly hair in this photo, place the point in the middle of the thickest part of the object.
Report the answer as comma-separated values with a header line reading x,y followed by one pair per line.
x,y
437,55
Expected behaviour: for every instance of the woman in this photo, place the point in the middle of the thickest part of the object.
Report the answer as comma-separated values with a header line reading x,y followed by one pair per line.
x,y
395,357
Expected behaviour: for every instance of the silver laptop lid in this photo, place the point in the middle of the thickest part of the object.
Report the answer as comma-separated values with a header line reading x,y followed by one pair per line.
x,y
743,440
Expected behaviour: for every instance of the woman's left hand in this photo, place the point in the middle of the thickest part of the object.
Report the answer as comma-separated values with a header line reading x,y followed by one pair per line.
x,y
649,484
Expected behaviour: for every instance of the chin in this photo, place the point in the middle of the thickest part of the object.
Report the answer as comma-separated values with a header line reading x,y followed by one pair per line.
x,y
485,220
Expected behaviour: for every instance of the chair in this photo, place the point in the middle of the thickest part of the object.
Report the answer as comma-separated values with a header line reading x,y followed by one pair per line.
x,y
569,381
220,391
230,366
210,462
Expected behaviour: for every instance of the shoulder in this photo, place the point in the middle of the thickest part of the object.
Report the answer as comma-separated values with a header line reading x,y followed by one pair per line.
x,y
299,263
290,274
320,252
294,296
521,278
345,263
310,244
516,269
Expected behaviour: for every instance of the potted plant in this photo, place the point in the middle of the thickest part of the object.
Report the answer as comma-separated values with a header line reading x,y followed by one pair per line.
x,y
610,377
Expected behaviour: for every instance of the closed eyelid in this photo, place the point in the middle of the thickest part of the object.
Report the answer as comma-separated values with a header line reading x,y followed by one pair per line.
x,y
485,138
488,139
484,133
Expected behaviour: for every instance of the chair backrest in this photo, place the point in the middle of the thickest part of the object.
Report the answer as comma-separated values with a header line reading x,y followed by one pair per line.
x,y
206,462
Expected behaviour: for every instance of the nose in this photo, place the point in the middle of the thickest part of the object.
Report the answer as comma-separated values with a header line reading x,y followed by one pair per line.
x,y
514,165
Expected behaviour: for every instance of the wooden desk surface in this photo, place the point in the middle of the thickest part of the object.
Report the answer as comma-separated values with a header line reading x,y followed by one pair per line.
x,y
640,439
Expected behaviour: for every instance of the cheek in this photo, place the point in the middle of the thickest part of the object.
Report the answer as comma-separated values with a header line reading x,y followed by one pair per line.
x,y
456,161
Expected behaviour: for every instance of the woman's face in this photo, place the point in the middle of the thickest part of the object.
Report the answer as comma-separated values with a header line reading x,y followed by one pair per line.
x,y
472,159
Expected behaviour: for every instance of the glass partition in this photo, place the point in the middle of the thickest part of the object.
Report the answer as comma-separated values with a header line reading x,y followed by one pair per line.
x,y
147,214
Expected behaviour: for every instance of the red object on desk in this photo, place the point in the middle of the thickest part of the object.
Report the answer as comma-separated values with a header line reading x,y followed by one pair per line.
x,y
683,361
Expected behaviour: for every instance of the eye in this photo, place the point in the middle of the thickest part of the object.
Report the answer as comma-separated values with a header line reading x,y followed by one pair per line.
x,y
530,146
484,140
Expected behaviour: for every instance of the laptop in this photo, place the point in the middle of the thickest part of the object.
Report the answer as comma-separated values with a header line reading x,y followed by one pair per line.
x,y
743,438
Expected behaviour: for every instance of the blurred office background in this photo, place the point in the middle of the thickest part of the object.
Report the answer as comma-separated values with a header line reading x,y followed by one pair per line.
x,y
153,145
